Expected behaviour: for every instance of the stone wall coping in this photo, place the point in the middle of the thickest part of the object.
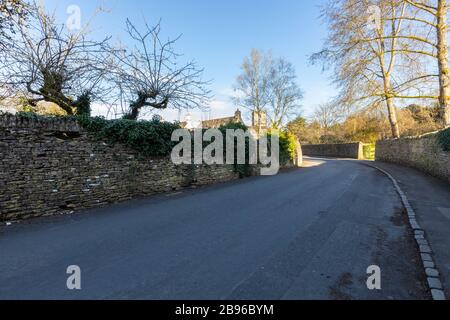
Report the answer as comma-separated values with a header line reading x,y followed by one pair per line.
x,y
333,144
422,152
8,120
425,135
343,150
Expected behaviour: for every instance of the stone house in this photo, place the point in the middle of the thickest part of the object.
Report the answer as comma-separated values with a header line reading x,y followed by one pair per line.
x,y
259,121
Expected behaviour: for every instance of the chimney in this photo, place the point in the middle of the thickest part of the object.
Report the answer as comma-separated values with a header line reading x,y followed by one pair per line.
x,y
259,118
238,115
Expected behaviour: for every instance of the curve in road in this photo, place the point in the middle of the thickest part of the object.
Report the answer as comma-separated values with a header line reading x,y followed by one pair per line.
x,y
309,233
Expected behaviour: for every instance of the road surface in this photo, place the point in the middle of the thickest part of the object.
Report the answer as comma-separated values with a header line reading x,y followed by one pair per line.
x,y
309,233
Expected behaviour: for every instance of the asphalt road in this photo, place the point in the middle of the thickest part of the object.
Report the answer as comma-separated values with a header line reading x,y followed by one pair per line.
x,y
309,233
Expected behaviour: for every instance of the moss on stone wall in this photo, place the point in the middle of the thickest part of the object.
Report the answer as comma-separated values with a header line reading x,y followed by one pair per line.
x,y
150,138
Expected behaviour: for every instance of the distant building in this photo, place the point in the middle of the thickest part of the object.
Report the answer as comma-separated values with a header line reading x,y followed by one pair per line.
x,y
259,121
213,123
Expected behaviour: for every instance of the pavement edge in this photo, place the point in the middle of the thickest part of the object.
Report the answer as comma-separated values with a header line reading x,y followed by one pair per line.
x,y
426,253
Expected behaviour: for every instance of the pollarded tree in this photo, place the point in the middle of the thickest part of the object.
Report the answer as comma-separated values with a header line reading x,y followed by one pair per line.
x,y
46,62
150,75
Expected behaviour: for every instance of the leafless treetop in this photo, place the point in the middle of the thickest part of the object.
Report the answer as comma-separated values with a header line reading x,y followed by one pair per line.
x,y
149,74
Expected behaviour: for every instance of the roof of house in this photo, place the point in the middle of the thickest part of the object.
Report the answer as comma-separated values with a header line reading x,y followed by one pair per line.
x,y
216,123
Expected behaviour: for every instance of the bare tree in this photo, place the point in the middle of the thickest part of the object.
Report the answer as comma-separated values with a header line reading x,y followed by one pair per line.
x,y
151,76
444,71
268,85
375,62
285,93
326,115
47,62
433,14
253,84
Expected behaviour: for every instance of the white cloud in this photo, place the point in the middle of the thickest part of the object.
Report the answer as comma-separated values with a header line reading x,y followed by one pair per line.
x,y
220,106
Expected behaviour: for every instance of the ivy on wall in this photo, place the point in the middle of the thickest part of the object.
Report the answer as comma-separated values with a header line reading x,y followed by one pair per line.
x,y
153,138
150,138
288,147
444,139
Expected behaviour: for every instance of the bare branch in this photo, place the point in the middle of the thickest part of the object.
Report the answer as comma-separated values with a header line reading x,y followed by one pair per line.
x,y
150,76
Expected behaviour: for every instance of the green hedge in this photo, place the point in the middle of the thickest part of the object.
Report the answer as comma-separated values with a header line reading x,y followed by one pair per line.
x,y
444,139
288,147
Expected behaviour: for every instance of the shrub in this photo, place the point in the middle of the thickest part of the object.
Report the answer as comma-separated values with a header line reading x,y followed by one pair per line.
x,y
288,147
444,139
244,170
83,104
49,109
24,106
27,115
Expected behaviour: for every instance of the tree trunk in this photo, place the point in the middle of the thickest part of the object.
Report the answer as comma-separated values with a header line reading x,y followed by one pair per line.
x,y
444,76
135,107
133,114
393,117
392,112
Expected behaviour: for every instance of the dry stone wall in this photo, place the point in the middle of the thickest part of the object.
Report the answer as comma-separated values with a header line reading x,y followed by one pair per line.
x,y
50,166
423,153
343,150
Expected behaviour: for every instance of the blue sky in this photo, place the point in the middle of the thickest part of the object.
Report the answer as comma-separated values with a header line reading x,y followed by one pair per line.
x,y
219,34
